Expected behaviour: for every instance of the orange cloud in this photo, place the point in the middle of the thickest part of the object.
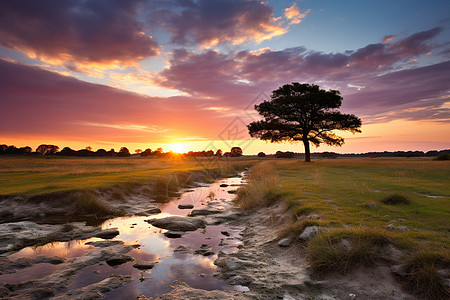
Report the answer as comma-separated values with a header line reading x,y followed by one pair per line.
x,y
294,14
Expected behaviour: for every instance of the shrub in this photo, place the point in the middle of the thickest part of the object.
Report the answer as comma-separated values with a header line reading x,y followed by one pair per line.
x,y
443,156
423,278
394,199
327,255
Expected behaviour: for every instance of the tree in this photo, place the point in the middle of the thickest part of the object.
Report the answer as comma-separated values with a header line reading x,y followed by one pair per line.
x,y
124,152
235,152
138,151
303,112
47,149
146,152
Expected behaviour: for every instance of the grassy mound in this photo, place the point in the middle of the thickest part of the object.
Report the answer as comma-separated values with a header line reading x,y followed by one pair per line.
x,y
395,199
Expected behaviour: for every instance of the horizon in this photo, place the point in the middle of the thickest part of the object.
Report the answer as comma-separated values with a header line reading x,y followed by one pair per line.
x,y
186,76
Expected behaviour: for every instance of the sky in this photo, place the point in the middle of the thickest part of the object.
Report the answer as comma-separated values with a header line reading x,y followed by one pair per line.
x,y
186,74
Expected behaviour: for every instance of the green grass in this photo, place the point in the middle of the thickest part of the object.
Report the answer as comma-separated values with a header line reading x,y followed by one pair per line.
x,y
40,175
326,254
340,191
422,276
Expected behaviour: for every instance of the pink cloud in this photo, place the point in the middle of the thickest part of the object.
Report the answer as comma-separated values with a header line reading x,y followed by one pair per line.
x,y
92,31
45,104
209,23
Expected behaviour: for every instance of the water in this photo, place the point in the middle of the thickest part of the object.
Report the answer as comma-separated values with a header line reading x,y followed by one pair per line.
x,y
171,267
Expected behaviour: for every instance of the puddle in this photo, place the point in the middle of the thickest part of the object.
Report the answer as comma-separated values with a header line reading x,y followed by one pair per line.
x,y
196,270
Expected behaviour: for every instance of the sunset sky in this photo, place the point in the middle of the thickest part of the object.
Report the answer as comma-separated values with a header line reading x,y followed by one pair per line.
x,y
185,75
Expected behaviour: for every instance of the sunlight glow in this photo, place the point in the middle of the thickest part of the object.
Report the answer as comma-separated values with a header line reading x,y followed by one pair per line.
x,y
178,148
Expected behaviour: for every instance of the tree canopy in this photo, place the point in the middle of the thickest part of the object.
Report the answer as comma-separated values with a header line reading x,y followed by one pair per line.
x,y
303,112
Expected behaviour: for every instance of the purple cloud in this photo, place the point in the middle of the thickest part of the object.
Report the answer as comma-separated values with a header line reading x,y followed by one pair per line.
x,y
370,78
91,31
210,23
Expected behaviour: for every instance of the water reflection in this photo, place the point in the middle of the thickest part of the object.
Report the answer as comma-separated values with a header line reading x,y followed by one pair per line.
x,y
195,270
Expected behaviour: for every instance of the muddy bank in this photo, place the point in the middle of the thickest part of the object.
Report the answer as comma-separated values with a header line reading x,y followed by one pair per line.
x,y
97,205
179,241
274,271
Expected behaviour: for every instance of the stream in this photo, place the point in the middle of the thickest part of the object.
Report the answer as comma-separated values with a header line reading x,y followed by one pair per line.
x,y
197,270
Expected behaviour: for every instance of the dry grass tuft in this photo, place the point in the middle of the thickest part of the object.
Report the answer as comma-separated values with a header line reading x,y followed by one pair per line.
x,y
263,188
327,254
423,278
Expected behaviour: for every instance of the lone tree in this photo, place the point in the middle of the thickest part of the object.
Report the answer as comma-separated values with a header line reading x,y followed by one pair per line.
x,y
303,112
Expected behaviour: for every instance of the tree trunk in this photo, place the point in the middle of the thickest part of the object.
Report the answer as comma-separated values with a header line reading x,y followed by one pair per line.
x,y
307,152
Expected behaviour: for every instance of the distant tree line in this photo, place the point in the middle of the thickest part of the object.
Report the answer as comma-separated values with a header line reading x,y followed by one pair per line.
x,y
289,154
45,149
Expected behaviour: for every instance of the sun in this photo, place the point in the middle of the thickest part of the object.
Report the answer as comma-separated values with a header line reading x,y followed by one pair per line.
x,y
178,148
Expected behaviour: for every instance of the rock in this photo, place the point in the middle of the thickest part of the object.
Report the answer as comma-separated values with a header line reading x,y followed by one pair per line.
x,y
183,291
309,232
144,265
221,254
108,233
202,275
178,223
225,233
185,206
396,228
398,270
373,206
102,244
313,216
231,263
392,253
345,245
232,192
204,212
152,211
118,260
174,234
239,280
95,290
182,249
205,250
284,242
223,185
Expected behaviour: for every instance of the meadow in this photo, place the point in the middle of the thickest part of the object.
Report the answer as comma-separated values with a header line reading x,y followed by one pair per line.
x,y
368,203
39,175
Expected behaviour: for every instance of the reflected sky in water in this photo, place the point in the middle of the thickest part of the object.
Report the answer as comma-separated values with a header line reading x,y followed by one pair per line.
x,y
170,267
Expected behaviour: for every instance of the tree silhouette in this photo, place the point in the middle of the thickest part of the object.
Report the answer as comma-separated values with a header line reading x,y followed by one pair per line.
x,y
236,152
303,112
47,149
124,152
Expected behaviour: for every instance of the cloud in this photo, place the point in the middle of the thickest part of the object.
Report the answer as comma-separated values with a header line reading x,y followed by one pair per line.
x,y
294,14
388,38
376,80
46,105
90,32
209,23
414,94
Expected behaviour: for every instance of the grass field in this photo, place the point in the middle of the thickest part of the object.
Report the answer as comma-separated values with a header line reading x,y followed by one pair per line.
x,y
368,204
38,175
350,192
